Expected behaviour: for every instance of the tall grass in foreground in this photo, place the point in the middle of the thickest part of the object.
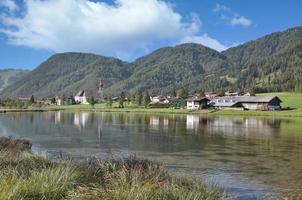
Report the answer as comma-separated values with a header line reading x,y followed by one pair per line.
x,y
27,176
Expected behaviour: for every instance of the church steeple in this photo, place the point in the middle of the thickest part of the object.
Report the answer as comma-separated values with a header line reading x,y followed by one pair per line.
x,y
101,89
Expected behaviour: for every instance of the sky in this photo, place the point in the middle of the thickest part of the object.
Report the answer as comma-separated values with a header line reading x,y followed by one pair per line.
x,y
33,30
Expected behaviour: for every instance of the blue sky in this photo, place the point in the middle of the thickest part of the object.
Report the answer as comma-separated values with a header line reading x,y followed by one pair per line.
x,y
33,30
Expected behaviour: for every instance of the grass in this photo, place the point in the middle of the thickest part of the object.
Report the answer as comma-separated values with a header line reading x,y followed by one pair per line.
x,y
293,101
27,176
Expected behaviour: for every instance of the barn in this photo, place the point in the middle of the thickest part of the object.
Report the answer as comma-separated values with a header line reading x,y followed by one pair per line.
x,y
247,102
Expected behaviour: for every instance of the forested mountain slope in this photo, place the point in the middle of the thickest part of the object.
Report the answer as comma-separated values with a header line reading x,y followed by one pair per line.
x,y
10,76
67,73
270,63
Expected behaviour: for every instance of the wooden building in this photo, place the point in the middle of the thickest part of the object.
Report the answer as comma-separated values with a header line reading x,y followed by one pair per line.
x,y
247,102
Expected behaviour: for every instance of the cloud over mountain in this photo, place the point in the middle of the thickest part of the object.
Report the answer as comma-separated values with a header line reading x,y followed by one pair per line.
x,y
231,17
109,29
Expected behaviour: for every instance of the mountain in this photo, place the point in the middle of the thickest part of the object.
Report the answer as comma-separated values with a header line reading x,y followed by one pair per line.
x,y
270,63
67,73
10,76
173,67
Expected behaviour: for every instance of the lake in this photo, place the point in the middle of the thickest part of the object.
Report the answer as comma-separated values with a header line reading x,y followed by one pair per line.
x,y
248,157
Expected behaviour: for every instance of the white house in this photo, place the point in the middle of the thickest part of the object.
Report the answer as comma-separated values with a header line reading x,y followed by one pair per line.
x,y
81,97
160,98
196,103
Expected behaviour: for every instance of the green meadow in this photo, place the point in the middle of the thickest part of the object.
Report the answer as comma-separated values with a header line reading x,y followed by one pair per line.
x,y
291,103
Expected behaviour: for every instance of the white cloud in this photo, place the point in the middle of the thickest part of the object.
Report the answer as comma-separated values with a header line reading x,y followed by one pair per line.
x,y
109,29
204,40
233,18
9,4
219,8
241,21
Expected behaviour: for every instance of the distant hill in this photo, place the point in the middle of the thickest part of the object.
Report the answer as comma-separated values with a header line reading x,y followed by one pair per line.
x,y
10,76
67,73
173,67
271,63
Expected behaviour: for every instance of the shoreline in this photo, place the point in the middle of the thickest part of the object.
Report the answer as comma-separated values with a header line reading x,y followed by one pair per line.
x,y
249,113
28,176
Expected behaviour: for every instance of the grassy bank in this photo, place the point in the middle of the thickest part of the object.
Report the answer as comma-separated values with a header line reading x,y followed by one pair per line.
x,y
292,101
27,176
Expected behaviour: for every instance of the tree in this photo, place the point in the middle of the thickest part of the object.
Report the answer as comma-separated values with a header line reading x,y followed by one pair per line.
x,y
174,93
92,101
122,100
182,93
109,101
138,98
32,99
146,99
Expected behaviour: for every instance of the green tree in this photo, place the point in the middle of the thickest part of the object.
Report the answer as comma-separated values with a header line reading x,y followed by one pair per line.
x,y
139,98
174,93
109,101
182,93
32,99
92,101
146,99
122,100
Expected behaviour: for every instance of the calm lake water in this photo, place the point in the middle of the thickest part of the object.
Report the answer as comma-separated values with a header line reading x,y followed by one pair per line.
x,y
247,157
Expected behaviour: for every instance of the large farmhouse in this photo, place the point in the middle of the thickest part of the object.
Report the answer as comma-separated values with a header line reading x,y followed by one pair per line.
x,y
247,103
196,103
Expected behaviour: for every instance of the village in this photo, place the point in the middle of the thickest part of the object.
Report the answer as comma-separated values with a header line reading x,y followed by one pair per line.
x,y
193,102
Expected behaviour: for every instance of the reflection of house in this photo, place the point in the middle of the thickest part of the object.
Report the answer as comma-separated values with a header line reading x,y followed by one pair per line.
x,y
243,127
81,97
247,103
154,122
80,119
57,117
196,103
192,121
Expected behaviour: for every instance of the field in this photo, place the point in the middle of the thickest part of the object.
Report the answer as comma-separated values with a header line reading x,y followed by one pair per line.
x,y
24,175
291,103
292,100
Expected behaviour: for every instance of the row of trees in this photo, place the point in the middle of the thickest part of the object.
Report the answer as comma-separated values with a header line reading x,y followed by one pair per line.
x,y
140,98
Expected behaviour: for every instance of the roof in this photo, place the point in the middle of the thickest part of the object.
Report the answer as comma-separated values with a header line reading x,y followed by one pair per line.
x,y
229,101
197,99
251,99
80,93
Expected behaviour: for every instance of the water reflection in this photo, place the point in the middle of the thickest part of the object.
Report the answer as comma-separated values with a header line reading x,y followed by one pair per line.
x,y
81,119
242,154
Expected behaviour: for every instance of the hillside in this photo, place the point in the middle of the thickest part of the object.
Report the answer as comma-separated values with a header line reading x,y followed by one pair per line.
x,y
10,76
173,67
67,73
271,63
268,64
